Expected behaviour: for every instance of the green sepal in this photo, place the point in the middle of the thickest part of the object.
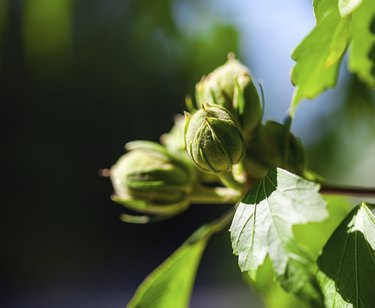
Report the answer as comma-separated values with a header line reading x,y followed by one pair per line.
x,y
145,207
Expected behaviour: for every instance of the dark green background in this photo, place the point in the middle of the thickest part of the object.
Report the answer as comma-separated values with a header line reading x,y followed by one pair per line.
x,y
78,81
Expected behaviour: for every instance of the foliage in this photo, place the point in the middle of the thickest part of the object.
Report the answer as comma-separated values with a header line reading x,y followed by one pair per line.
x,y
171,283
224,154
346,265
263,226
319,55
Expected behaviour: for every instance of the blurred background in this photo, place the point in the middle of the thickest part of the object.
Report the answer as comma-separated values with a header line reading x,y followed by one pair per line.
x,y
79,79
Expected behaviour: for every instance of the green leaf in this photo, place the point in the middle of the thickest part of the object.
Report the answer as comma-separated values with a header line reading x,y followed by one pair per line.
x,y
347,263
263,225
273,295
170,284
363,41
314,236
319,55
346,7
54,19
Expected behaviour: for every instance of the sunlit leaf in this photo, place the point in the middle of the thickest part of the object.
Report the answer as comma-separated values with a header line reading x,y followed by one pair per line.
x,y
346,7
347,263
318,57
263,226
314,236
274,296
363,41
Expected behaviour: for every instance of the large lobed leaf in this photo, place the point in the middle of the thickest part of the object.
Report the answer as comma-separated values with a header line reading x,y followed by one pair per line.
x,y
170,284
339,23
347,263
313,236
263,225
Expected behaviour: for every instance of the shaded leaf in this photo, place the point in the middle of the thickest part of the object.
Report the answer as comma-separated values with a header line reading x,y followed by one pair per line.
x,y
263,226
347,263
170,284
52,54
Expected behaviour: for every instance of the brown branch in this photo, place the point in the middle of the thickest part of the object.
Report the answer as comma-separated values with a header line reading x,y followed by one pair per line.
x,y
347,191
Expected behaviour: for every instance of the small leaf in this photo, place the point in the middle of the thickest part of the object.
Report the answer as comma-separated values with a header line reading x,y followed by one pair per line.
x,y
263,226
346,7
347,263
170,284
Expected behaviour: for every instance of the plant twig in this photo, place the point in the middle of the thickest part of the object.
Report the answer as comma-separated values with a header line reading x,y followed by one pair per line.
x,y
228,180
347,191
215,195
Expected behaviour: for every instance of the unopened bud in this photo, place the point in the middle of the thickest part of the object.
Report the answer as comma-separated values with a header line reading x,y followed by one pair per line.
x,y
213,139
231,86
149,179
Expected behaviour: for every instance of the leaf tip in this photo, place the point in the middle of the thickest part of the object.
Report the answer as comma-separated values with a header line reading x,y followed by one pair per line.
x,y
348,7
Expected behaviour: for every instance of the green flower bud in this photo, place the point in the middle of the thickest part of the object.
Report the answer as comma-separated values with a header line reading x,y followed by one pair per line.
x,y
274,146
174,139
231,86
174,142
149,179
213,139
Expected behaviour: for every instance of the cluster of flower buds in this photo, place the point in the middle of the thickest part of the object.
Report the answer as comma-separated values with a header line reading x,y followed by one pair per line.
x,y
220,144
231,87
228,113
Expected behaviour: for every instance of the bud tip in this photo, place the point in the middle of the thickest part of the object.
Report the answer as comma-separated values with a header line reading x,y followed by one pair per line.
x,y
231,56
